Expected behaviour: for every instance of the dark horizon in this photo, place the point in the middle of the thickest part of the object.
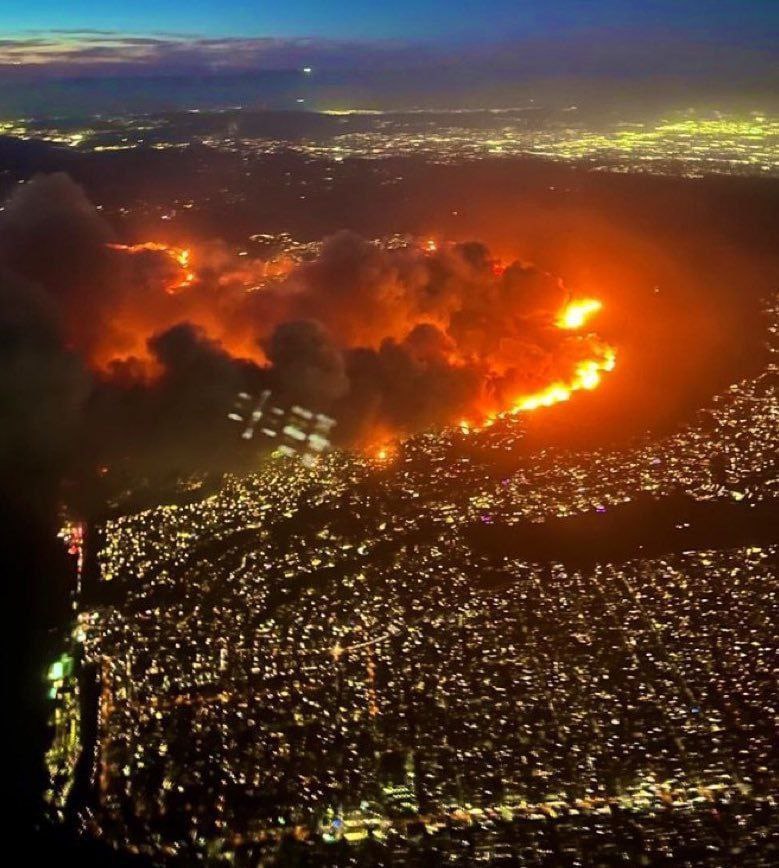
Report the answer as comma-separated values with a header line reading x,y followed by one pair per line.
x,y
342,91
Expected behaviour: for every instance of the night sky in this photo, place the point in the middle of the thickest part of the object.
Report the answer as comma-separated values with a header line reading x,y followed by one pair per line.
x,y
706,46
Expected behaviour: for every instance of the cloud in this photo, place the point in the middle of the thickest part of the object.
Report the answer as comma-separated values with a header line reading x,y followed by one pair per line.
x,y
605,53
94,52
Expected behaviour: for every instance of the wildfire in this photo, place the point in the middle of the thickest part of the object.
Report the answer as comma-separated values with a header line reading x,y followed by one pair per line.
x,y
586,374
180,255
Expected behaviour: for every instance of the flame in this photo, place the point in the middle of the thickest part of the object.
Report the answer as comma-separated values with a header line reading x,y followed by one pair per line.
x,y
383,449
576,313
587,375
180,255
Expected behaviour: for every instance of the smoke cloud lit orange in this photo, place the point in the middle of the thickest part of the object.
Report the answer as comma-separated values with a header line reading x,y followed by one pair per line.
x,y
387,339
421,333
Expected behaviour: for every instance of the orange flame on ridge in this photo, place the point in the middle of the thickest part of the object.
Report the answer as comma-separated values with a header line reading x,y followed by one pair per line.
x,y
587,374
180,255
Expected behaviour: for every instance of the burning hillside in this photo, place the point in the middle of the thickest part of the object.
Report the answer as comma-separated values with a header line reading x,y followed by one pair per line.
x,y
387,339
506,335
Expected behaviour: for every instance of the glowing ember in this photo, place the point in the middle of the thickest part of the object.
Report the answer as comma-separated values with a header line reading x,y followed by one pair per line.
x,y
384,452
576,313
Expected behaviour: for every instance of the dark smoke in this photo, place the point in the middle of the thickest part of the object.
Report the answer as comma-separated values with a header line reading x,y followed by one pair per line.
x,y
384,340
406,386
177,421
308,368
43,388
52,235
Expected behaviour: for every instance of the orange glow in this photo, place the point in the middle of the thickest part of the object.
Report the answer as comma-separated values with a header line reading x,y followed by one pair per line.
x,y
586,377
180,255
576,313
383,452
569,364
166,298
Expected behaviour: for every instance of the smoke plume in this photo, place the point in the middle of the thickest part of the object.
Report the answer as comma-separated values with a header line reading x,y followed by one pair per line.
x,y
382,339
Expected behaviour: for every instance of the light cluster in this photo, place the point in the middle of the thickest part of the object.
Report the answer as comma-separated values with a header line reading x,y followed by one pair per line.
x,y
691,144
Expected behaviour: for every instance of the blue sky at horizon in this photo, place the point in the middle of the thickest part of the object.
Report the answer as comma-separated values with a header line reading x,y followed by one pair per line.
x,y
427,20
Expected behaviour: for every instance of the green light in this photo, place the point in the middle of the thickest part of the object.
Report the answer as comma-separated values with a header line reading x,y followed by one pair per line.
x,y
61,669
